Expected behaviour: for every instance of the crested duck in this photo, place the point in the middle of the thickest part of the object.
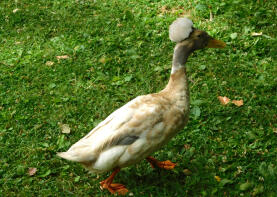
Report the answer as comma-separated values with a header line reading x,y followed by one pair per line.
x,y
143,125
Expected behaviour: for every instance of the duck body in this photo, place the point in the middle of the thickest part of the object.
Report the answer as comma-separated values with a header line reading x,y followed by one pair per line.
x,y
139,128
134,131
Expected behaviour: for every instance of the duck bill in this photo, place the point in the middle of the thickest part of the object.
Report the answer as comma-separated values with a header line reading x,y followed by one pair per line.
x,y
213,43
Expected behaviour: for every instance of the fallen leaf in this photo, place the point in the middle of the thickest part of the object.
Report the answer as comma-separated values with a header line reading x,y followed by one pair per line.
x,y
256,34
187,146
187,172
15,10
217,178
237,102
62,57
65,128
223,100
32,171
49,63
119,25
274,130
17,43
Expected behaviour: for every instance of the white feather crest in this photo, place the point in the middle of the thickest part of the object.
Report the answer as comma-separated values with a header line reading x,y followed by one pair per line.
x,y
180,29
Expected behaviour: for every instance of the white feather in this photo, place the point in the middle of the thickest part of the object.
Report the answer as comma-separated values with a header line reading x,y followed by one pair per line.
x,y
140,117
108,158
180,29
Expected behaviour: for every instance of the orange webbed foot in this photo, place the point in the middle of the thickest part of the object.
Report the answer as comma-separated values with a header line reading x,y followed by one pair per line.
x,y
167,165
118,188
113,187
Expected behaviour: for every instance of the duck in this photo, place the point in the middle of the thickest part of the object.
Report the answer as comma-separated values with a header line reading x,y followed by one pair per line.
x,y
143,125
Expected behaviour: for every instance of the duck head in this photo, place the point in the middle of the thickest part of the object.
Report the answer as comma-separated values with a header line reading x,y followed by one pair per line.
x,y
182,31
199,39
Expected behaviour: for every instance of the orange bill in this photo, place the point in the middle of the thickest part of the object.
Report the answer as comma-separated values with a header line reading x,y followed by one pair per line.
x,y
213,43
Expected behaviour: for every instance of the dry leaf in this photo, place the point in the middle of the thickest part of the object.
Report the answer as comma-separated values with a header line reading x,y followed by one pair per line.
x,y
238,102
119,25
186,146
256,34
65,128
217,178
187,172
49,63
62,57
274,130
32,171
15,10
223,100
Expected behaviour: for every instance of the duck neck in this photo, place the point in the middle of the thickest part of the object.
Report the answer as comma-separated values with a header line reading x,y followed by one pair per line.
x,y
181,53
177,87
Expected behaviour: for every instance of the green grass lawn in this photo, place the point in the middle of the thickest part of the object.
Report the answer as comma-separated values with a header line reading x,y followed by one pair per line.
x,y
115,51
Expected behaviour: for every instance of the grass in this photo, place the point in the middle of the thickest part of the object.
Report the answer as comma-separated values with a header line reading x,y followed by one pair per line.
x,y
116,51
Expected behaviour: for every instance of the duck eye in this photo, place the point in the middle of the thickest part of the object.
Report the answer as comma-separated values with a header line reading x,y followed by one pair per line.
x,y
199,35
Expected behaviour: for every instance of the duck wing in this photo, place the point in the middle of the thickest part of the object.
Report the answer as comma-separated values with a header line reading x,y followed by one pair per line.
x,y
121,128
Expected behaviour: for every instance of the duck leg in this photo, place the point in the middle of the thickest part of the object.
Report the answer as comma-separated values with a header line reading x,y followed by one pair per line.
x,y
113,187
168,165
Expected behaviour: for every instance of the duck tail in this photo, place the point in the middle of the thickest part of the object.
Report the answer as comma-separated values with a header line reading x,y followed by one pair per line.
x,y
72,155
67,156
